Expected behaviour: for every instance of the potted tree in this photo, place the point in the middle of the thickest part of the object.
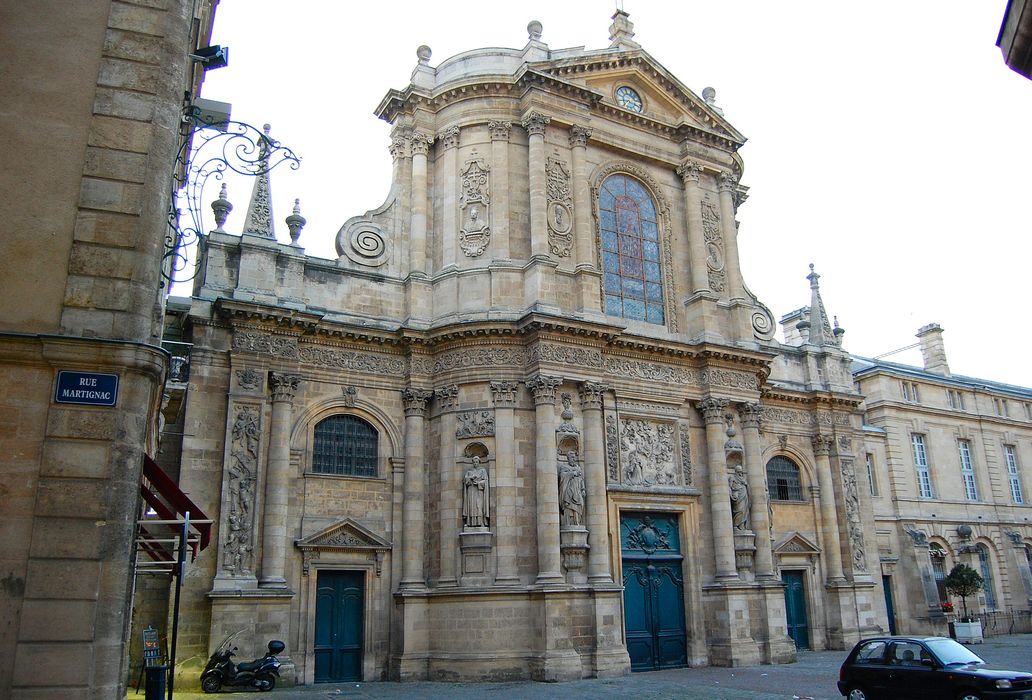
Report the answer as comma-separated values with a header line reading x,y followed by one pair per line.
x,y
965,581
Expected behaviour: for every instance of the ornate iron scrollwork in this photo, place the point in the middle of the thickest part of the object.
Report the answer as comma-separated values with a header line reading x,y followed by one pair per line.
x,y
208,150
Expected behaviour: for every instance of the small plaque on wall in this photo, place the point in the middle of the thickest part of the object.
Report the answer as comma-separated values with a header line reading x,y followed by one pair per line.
x,y
86,388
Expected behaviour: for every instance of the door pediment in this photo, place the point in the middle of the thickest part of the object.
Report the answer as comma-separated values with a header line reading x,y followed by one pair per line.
x,y
346,535
795,544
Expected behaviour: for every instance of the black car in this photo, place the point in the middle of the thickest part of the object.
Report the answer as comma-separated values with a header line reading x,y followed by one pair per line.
x,y
925,668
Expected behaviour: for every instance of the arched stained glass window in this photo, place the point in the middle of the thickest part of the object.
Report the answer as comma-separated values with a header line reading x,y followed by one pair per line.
x,y
783,483
632,275
345,445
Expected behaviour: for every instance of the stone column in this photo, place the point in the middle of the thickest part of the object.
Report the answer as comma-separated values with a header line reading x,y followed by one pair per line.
x,y
547,480
451,488
829,513
412,509
728,186
690,172
597,515
535,124
277,482
504,396
449,169
756,470
712,410
500,192
417,223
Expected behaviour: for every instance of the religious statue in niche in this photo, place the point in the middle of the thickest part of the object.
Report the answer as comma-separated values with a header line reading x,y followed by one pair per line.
x,y
476,504
571,491
739,490
475,232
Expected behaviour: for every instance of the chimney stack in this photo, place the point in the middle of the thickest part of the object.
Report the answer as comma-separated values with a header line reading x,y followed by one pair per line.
x,y
933,350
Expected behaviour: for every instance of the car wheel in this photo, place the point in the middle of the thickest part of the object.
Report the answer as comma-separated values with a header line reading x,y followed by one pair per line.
x,y
210,684
969,695
265,681
857,692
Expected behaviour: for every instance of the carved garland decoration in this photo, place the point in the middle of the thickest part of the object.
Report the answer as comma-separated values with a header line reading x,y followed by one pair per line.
x,y
613,449
245,437
686,455
560,207
714,244
565,354
669,282
853,517
291,348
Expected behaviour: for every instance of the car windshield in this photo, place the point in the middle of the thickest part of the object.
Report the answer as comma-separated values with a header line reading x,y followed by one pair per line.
x,y
950,652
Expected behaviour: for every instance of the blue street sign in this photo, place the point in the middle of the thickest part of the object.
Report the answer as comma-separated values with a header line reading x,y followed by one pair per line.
x,y
88,388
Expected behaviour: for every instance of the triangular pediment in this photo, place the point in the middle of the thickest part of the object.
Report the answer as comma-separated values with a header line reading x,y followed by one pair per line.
x,y
345,534
666,99
794,543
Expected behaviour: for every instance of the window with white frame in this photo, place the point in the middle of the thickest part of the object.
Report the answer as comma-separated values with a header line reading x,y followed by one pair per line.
x,y
967,470
870,474
1000,407
986,569
938,557
910,392
924,477
1012,473
955,399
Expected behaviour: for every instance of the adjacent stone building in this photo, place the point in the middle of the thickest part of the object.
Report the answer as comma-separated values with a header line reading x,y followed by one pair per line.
x,y
947,459
92,97
530,422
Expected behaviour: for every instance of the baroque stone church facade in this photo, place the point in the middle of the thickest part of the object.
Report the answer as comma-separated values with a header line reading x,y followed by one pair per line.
x,y
531,422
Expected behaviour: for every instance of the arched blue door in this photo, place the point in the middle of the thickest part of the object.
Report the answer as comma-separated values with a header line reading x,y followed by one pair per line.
x,y
338,626
653,591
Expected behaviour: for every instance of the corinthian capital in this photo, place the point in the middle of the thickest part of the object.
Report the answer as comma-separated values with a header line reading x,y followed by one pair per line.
x,y
542,388
447,396
579,136
283,386
504,393
728,182
421,143
713,409
821,444
449,138
689,171
499,130
415,400
751,414
591,394
399,147
535,123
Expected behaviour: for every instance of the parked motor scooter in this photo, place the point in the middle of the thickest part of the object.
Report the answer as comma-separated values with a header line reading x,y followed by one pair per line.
x,y
222,672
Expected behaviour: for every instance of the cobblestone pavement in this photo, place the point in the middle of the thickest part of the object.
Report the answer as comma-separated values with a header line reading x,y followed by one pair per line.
x,y
813,677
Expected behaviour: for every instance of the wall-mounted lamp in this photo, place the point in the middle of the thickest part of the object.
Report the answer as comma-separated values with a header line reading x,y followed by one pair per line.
x,y
211,57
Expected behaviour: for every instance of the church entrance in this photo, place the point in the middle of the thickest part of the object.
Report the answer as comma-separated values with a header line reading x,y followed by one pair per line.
x,y
653,591
338,626
795,608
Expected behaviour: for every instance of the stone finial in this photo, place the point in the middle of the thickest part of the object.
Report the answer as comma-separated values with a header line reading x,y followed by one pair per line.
x,y
221,207
709,96
423,53
820,329
534,30
259,210
621,32
296,222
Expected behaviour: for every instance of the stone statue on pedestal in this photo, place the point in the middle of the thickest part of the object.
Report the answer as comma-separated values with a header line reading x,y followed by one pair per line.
x,y
476,504
571,491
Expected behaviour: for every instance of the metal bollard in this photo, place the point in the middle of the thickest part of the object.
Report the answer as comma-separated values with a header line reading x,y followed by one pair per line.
x,y
157,677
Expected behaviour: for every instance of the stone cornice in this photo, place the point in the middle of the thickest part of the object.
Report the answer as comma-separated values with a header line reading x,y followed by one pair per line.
x,y
237,311
811,398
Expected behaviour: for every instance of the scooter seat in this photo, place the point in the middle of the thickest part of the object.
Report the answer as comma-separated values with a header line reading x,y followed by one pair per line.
x,y
248,665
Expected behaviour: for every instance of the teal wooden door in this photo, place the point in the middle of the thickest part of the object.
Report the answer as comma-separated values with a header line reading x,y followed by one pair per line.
x,y
653,592
338,626
795,608
886,582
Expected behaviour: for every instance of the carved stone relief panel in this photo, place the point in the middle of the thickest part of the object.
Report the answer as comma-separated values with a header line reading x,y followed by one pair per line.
x,y
560,208
613,448
475,424
853,517
509,357
714,244
474,199
647,453
687,472
290,347
241,485
565,354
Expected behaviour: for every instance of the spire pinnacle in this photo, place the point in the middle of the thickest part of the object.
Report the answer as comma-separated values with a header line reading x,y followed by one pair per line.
x,y
259,211
621,31
820,329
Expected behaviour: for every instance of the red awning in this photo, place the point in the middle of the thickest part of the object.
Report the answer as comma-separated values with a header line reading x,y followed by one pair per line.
x,y
170,506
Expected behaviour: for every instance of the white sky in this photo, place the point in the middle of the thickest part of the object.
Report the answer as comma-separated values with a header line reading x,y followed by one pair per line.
x,y
889,144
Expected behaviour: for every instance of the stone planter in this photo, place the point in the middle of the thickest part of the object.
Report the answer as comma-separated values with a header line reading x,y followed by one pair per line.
x,y
968,632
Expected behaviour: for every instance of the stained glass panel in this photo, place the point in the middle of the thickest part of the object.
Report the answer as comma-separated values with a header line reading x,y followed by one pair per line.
x,y
630,250
345,445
